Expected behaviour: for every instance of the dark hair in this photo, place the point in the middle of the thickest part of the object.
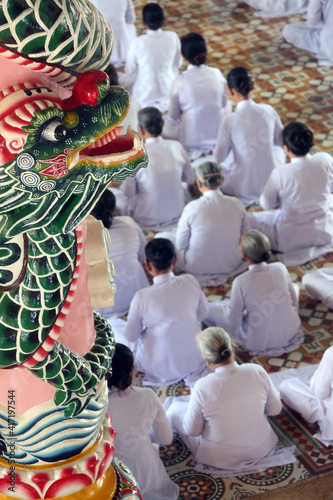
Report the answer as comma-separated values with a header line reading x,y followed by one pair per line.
x,y
111,71
194,48
122,368
153,15
298,138
161,253
240,79
104,208
151,119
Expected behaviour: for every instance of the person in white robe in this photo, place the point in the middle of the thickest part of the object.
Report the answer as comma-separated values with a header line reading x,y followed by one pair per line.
x,y
277,8
302,227
131,119
120,15
157,195
164,318
319,285
262,313
313,399
138,416
209,231
198,100
153,61
253,135
127,253
314,35
224,422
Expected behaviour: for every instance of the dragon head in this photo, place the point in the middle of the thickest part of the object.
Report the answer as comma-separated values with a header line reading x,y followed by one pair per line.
x,y
59,156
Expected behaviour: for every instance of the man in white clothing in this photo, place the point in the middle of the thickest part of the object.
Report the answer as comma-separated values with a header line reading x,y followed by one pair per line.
x,y
153,61
155,197
302,225
164,319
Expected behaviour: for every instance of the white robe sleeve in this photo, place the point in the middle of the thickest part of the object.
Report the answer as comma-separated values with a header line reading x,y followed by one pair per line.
x,y
175,111
294,298
273,404
203,305
134,325
178,56
278,129
194,421
183,233
321,381
315,13
270,197
236,309
223,143
188,174
129,187
161,431
131,65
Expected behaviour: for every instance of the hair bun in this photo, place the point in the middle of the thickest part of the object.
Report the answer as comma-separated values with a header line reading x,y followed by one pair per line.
x,y
225,353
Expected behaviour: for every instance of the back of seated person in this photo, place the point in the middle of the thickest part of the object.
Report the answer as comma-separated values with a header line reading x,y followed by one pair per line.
x,y
210,229
163,320
155,197
153,61
126,253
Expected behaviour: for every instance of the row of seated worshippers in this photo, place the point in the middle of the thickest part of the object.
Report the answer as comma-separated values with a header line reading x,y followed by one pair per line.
x,y
301,226
163,322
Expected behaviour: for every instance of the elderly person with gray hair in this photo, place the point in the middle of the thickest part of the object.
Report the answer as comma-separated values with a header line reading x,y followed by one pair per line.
x,y
262,313
224,421
209,230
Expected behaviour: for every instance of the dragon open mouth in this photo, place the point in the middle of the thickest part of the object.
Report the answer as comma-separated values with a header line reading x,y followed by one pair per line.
x,y
111,148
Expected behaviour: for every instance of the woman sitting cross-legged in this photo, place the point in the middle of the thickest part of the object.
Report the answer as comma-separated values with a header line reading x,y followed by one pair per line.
x,y
262,313
209,231
224,422
139,418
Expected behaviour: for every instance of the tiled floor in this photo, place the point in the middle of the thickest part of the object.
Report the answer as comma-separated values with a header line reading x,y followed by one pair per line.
x,y
299,89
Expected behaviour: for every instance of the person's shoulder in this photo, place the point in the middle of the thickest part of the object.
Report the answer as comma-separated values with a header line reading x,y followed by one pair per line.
x,y
322,157
188,279
234,201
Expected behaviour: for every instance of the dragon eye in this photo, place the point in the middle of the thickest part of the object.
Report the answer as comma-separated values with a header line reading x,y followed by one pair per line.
x,y
54,131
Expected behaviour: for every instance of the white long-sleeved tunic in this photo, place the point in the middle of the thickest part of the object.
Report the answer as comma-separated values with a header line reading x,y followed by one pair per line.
x,y
208,237
262,313
164,319
253,133
304,221
136,413
120,15
127,253
214,427
198,97
314,400
152,63
314,35
155,196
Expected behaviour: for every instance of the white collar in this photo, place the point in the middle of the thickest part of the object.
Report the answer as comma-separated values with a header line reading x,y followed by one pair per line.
x,y
257,267
151,140
152,32
244,103
300,158
163,277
